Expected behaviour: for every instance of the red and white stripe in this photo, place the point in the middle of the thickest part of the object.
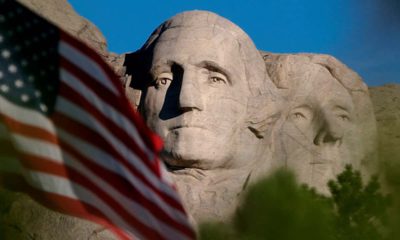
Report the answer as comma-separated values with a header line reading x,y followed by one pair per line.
x,y
94,154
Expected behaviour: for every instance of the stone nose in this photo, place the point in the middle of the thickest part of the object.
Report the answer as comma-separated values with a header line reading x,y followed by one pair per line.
x,y
190,96
329,131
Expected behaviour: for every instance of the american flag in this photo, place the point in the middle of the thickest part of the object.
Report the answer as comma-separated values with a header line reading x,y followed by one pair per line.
x,y
70,139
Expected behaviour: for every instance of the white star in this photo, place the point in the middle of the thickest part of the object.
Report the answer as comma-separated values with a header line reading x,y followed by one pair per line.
x,y
43,107
18,83
38,93
4,88
12,68
24,97
5,53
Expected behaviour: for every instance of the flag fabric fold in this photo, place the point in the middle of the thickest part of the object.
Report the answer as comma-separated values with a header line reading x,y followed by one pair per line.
x,y
70,139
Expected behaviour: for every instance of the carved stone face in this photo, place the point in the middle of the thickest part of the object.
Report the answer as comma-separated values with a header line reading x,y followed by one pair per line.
x,y
321,128
197,101
321,109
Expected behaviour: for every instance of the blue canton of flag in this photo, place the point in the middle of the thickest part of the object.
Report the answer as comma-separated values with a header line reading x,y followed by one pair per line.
x,y
28,59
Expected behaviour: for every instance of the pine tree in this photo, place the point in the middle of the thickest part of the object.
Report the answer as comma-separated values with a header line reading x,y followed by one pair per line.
x,y
277,208
361,211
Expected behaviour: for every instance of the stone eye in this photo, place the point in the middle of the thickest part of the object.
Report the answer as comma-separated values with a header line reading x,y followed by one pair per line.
x,y
344,117
217,78
298,115
163,79
342,113
302,114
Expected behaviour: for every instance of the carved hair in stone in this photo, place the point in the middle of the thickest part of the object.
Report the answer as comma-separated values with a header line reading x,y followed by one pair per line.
x,y
329,120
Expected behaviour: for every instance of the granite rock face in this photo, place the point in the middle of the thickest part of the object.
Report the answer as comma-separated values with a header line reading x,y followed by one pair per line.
x,y
229,114
23,218
386,101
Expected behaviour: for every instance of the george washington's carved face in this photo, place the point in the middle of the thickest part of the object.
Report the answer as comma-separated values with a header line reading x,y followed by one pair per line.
x,y
197,100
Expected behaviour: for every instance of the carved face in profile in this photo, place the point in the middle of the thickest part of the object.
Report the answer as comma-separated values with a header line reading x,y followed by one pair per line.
x,y
197,98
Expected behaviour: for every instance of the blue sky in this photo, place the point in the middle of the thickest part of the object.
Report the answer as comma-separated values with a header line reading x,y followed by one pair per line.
x,y
364,34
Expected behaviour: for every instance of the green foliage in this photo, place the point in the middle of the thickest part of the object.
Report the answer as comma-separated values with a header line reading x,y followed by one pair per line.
x,y
217,231
361,210
390,164
277,208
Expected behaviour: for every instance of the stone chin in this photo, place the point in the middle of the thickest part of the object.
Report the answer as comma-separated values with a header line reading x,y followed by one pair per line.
x,y
195,148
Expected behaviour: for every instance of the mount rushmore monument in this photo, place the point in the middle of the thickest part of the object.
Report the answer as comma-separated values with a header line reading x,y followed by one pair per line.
x,y
230,115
